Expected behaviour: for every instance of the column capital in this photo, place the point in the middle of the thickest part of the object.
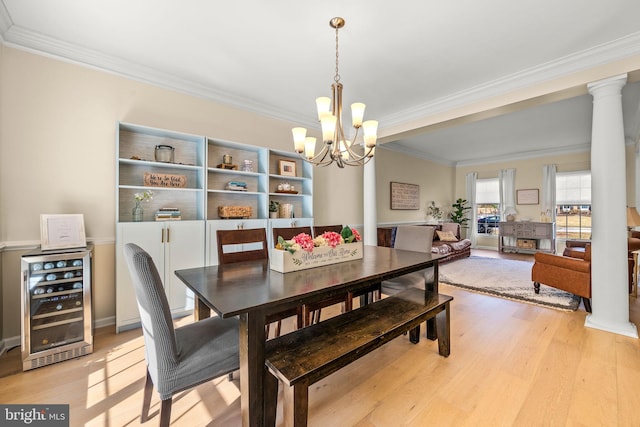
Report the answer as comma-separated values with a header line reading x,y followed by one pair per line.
x,y
610,82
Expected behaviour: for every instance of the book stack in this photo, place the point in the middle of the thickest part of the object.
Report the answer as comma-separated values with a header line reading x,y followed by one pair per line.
x,y
168,214
236,186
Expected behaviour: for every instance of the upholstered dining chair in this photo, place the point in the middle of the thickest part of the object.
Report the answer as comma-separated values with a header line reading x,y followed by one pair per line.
x,y
255,241
417,238
310,313
177,358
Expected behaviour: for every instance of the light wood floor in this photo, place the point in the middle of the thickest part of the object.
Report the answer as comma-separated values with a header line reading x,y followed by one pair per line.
x,y
511,364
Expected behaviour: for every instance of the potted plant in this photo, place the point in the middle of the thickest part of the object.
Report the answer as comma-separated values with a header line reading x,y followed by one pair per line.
x,y
273,209
434,213
459,212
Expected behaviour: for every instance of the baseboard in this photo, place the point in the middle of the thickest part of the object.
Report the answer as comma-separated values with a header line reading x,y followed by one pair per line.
x,y
487,248
105,321
9,343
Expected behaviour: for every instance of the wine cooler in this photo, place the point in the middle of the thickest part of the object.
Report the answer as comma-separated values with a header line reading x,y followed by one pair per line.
x,y
56,306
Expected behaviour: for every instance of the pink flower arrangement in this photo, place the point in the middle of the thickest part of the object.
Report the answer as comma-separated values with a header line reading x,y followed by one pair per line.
x,y
330,238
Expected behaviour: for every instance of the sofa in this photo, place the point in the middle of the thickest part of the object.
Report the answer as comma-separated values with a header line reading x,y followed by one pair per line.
x,y
446,240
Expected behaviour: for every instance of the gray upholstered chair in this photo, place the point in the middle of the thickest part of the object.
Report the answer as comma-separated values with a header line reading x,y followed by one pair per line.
x,y
180,358
418,238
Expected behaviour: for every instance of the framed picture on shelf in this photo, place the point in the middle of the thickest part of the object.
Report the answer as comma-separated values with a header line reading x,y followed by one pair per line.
x,y
62,231
287,167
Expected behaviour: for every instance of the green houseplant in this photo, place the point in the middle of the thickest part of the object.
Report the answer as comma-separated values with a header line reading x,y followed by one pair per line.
x,y
434,213
273,209
459,212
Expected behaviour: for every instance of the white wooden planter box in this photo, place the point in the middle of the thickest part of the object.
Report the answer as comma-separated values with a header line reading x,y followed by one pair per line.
x,y
285,262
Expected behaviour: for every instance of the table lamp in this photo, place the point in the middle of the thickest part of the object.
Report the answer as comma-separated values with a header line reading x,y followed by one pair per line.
x,y
633,218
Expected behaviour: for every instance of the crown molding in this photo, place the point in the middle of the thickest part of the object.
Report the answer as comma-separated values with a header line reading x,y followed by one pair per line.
x,y
580,61
22,39
577,148
390,146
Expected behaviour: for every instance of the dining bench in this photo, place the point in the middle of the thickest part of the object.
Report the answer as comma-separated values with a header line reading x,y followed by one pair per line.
x,y
307,355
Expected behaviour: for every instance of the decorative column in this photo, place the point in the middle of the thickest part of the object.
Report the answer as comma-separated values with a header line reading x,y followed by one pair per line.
x,y
609,281
369,204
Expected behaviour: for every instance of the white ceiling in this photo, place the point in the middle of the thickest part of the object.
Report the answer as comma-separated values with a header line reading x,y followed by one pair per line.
x,y
405,60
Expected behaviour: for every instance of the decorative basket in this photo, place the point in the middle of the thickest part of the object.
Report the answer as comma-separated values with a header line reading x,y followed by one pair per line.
x,y
285,261
526,244
234,212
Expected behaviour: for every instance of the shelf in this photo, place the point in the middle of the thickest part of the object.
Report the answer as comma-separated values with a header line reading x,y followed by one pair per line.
x,y
60,322
232,172
54,294
153,163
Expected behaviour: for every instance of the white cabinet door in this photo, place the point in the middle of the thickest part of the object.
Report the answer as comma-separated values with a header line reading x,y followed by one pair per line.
x,y
184,248
173,246
147,235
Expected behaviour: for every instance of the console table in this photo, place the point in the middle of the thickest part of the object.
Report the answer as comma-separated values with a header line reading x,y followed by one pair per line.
x,y
525,237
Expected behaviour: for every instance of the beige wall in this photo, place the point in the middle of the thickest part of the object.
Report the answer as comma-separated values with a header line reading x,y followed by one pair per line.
x,y
57,146
436,183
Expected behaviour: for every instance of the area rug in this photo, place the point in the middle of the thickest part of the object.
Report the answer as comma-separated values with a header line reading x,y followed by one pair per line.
x,y
504,278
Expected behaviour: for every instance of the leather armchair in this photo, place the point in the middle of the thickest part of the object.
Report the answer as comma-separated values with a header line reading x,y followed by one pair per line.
x,y
566,273
575,249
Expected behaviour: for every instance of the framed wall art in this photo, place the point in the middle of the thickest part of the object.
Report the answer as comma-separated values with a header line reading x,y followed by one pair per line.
x,y
405,196
287,167
62,231
527,197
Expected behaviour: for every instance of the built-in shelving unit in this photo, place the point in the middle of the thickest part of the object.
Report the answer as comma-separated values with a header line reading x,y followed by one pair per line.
x,y
136,157
203,167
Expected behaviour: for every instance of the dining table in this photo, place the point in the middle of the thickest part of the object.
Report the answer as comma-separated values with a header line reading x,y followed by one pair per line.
x,y
251,291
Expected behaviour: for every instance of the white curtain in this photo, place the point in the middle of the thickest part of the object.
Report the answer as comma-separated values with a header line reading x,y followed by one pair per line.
x,y
507,179
549,192
471,198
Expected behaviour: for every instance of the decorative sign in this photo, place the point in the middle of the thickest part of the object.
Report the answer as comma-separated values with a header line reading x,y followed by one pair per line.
x,y
285,262
62,231
527,197
405,196
154,179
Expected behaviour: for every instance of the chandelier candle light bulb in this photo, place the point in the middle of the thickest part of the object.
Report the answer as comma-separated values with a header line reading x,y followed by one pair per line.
x,y
336,147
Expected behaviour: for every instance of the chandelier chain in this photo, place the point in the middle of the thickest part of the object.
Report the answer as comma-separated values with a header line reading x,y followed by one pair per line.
x,y
336,78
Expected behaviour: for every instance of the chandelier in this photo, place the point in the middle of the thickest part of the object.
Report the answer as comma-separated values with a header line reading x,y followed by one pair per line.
x,y
336,147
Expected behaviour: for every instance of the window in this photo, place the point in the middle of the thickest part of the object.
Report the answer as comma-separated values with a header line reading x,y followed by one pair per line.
x,y
573,205
487,205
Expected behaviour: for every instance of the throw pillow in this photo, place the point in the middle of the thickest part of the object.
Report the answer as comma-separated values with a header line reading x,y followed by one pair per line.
x,y
446,236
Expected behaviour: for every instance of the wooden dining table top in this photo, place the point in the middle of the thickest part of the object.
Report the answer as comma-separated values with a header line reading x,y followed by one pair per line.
x,y
233,289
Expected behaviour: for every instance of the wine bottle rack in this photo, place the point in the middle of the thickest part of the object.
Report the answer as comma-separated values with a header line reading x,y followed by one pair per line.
x,y
56,306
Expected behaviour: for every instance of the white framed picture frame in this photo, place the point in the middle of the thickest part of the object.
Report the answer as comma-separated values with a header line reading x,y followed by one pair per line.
x,y
63,231
527,197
